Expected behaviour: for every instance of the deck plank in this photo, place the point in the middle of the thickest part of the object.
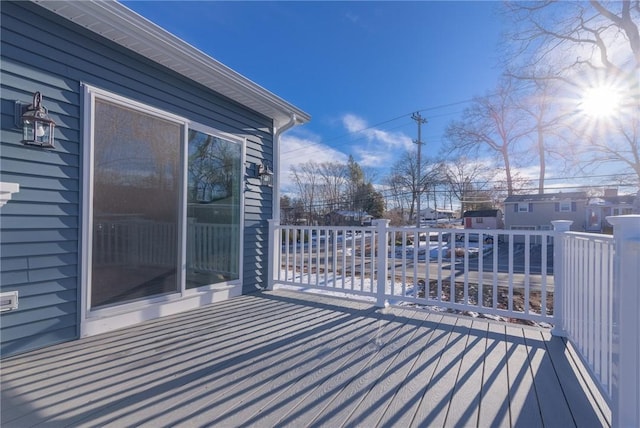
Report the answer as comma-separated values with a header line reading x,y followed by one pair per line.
x,y
403,408
523,397
312,405
370,410
380,367
242,401
216,377
553,404
221,383
494,406
585,402
434,406
465,402
297,359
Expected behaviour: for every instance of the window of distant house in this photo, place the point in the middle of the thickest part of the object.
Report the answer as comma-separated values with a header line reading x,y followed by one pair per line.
x,y
523,228
565,206
622,211
523,207
479,220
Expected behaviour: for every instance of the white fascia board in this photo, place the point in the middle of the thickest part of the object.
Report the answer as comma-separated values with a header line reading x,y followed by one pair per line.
x,y
116,22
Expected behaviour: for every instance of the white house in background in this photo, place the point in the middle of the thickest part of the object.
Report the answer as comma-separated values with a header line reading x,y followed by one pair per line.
x,y
436,214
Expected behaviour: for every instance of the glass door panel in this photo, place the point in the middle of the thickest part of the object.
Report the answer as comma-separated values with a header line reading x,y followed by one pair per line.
x,y
213,209
136,203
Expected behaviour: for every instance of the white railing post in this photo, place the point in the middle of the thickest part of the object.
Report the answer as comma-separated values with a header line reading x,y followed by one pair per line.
x,y
625,368
382,237
273,252
559,275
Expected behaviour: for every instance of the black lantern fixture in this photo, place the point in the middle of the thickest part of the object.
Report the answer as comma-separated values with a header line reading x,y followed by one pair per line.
x,y
266,175
37,126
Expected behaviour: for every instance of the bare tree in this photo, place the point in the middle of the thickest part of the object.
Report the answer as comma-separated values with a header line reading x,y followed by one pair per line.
x,y
582,45
493,122
465,177
306,178
408,178
397,192
333,179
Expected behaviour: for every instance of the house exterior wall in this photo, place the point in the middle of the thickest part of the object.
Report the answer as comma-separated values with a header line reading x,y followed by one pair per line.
x,y
40,229
482,223
541,213
483,219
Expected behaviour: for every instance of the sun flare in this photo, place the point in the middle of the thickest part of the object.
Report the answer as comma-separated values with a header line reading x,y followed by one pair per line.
x,y
600,101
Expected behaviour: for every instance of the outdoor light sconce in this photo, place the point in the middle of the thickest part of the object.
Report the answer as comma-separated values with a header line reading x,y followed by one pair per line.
x,y
37,126
266,175
262,172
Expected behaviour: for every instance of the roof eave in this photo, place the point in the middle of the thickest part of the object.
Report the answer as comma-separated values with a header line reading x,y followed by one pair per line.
x,y
125,27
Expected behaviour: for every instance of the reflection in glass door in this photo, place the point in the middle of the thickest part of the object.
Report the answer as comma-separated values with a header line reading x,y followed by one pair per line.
x,y
213,209
136,205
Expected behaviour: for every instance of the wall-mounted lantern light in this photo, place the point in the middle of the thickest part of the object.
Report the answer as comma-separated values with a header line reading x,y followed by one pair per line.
x,y
262,172
37,126
266,175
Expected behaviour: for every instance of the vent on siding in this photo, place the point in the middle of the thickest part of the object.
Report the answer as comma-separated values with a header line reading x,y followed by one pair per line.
x,y
8,301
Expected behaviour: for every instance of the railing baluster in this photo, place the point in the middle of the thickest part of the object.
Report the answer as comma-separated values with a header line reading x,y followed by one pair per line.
x,y
544,257
527,270
465,298
510,284
452,280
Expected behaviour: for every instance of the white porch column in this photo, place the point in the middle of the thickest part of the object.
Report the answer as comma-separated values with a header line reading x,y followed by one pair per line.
x,y
559,274
273,252
626,321
382,263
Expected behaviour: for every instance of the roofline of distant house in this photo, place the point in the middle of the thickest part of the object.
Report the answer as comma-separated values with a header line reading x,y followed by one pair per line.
x,y
125,27
546,197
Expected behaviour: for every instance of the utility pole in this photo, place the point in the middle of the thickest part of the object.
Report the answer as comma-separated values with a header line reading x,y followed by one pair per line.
x,y
419,120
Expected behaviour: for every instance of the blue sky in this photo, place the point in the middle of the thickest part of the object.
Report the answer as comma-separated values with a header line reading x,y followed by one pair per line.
x,y
351,65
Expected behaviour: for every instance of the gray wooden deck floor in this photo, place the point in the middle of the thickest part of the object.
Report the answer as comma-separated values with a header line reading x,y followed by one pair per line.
x,y
293,359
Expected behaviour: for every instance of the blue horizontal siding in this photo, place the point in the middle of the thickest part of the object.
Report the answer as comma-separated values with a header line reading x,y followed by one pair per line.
x,y
40,226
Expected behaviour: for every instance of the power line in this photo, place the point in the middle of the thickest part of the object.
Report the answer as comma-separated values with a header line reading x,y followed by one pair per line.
x,y
426,109
384,122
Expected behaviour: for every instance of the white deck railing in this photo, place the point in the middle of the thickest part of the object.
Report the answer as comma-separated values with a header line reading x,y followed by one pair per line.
x,y
587,285
599,280
587,306
491,272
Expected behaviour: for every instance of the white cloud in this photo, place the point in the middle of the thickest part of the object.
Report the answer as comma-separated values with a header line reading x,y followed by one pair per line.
x,y
389,140
297,148
371,159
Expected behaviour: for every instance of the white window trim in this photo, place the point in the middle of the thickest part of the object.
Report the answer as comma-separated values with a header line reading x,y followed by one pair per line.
x,y
522,205
563,205
95,321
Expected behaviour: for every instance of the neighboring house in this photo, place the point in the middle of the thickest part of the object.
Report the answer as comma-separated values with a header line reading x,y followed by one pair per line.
x,y
535,212
599,208
436,214
483,219
348,218
151,201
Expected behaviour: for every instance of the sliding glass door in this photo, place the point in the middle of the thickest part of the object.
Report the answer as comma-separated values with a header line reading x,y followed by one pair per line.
x,y
164,206
213,209
136,204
